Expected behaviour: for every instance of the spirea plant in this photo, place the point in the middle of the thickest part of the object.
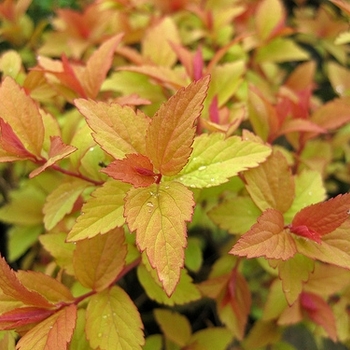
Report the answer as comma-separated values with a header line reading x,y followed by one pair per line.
x,y
174,175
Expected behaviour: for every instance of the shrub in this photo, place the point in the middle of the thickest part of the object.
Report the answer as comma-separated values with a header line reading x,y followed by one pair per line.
x,y
174,175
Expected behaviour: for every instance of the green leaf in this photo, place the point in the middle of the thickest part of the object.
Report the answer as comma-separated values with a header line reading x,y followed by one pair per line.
x,y
56,245
174,326
211,338
153,342
281,50
98,261
193,254
113,321
117,129
215,159
293,273
185,291
79,341
61,201
52,333
172,129
309,189
159,214
102,212
20,238
271,185
236,215
268,238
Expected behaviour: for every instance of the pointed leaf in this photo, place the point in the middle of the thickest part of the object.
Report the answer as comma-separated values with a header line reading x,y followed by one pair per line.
x,y
174,326
102,212
159,214
53,333
117,129
134,169
185,292
271,184
113,322
79,341
61,201
98,65
237,215
217,338
319,219
266,238
11,286
98,261
58,150
22,114
215,159
172,129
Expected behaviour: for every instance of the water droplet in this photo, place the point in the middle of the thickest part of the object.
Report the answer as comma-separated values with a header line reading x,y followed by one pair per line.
x,y
152,193
181,178
104,316
348,212
99,335
202,167
167,187
150,204
212,179
310,193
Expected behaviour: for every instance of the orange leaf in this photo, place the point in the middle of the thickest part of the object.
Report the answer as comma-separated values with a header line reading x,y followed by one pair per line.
x,y
58,150
266,238
22,114
319,219
159,213
52,333
135,169
172,129
12,287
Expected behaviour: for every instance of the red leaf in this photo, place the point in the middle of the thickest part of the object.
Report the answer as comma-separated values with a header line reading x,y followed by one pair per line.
x,y
135,169
319,312
23,316
319,219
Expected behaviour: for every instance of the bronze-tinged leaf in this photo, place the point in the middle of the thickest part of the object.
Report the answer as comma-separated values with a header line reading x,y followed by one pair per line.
x,y
172,129
22,114
271,185
54,332
134,169
267,238
113,321
159,214
319,312
319,219
11,286
119,130
58,150
98,261
345,6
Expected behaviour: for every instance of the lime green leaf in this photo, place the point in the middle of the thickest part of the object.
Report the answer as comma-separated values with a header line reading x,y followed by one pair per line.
x,y
211,338
276,301
113,322
174,326
79,341
156,43
25,207
309,189
8,340
48,287
58,150
193,254
270,15
235,215
102,212
185,291
293,273
281,50
53,333
154,342
215,159
98,261
62,251
339,77
20,238
159,214
172,129
22,114
117,129
10,63
61,201
267,238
